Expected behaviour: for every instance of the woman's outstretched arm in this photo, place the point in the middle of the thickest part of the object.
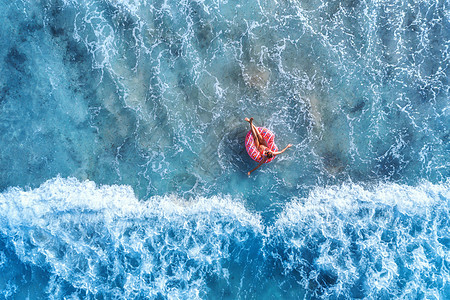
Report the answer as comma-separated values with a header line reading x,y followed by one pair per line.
x,y
279,152
259,165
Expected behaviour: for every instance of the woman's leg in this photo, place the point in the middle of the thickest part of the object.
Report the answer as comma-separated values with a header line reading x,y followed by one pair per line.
x,y
257,137
254,132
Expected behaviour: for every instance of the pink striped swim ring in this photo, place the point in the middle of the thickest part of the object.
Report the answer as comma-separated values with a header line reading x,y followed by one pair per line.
x,y
268,135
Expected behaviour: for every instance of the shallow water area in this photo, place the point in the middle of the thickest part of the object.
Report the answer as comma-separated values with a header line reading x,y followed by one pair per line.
x,y
123,166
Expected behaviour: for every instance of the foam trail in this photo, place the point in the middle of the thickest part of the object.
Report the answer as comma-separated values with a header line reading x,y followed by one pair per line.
x,y
142,92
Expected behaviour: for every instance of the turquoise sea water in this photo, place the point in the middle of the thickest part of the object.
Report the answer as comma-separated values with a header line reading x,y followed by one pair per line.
x,y
122,159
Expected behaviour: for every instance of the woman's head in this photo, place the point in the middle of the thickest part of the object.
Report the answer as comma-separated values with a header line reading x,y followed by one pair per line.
x,y
269,154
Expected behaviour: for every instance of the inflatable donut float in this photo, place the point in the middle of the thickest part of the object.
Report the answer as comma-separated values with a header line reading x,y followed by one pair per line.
x,y
250,146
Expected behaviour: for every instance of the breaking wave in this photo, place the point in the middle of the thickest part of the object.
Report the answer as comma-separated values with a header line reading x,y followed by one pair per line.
x,y
353,241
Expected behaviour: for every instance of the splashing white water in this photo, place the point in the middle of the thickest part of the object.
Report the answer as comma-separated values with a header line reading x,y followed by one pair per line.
x,y
347,240
101,239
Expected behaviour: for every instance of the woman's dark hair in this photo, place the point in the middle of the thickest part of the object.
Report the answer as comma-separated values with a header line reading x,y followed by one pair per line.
x,y
269,154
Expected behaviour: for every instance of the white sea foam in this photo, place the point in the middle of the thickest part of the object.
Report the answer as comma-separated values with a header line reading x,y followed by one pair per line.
x,y
340,241
368,241
102,238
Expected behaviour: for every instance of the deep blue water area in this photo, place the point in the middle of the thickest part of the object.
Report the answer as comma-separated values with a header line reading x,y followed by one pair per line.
x,y
123,171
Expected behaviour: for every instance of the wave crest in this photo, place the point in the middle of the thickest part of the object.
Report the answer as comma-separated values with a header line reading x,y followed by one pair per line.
x,y
103,240
356,242
387,240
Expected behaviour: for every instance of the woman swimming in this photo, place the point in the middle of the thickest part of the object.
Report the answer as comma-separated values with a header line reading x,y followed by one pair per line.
x,y
262,146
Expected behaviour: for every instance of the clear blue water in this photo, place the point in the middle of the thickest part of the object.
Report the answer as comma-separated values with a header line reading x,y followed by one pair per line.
x,y
123,167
